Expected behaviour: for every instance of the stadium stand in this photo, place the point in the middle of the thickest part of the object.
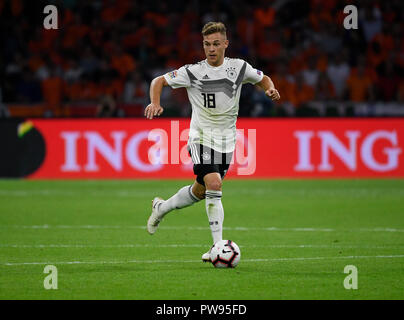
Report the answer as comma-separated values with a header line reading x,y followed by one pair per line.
x,y
105,53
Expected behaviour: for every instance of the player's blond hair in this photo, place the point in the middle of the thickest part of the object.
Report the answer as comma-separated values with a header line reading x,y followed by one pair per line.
x,y
213,27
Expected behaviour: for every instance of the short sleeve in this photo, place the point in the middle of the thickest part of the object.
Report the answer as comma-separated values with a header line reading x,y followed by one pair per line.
x,y
252,75
177,78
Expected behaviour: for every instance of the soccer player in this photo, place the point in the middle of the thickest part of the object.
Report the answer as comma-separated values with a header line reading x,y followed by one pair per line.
x,y
214,87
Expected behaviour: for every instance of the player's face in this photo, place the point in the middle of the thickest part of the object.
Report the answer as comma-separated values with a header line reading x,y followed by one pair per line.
x,y
215,45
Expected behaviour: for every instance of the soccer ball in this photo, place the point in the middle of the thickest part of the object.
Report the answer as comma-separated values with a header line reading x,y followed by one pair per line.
x,y
225,254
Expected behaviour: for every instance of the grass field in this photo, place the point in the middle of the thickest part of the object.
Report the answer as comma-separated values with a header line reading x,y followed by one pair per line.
x,y
296,237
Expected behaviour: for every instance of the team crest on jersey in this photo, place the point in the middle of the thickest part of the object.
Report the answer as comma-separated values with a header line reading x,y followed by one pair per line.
x,y
172,74
228,86
231,72
206,156
259,72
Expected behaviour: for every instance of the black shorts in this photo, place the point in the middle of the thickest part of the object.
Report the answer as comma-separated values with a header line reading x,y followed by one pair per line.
x,y
207,160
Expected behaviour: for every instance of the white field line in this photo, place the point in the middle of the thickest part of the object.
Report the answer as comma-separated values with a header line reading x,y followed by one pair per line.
x,y
198,261
46,226
326,258
308,229
273,246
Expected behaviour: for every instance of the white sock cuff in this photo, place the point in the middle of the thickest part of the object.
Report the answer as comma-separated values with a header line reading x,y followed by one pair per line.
x,y
213,194
191,194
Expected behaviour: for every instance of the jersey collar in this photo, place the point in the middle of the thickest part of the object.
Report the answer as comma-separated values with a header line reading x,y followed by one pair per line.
x,y
218,67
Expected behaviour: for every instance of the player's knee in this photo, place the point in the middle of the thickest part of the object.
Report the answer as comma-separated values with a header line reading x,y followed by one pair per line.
x,y
214,184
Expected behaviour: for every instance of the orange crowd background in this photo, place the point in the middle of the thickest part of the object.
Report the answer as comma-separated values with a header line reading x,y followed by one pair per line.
x,y
105,52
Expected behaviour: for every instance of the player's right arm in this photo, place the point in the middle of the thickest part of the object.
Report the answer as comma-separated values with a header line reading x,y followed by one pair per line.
x,y
154,108
175,79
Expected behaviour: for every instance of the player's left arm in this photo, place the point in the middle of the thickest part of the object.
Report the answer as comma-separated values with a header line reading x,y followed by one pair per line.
x,y
268,86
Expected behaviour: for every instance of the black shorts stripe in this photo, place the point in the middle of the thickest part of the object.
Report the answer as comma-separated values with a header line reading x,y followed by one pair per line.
x,y
194,154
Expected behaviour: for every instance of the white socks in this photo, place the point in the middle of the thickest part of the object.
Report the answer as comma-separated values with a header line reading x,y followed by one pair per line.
x,y
214,209
183,198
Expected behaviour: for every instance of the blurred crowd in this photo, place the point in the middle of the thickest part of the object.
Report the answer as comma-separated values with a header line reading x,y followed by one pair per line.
x,y
106,52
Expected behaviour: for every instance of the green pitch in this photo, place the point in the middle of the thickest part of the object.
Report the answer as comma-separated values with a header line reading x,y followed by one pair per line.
x,y
296,237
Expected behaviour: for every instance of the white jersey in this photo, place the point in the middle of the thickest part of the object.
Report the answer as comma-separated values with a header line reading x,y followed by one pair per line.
x,y
214,93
